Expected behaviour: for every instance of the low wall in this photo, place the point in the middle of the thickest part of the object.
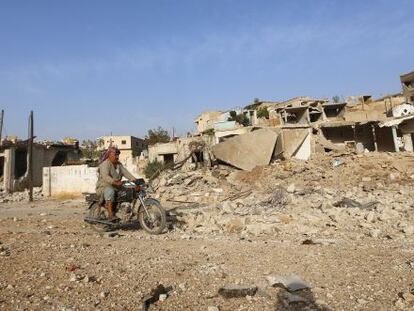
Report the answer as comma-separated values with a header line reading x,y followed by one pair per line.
x,y
73,179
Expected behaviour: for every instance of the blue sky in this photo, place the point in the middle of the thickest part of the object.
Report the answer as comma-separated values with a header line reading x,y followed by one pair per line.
x,y
89,68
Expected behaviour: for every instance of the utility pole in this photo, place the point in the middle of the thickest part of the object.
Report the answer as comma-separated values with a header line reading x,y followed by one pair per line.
x,y
30,156
1,125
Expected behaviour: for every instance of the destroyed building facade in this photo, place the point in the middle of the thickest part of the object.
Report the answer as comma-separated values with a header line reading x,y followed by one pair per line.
x,y
303,126
407,82
14,161
194,148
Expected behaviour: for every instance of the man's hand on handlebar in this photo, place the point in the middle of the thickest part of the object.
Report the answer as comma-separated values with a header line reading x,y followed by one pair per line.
x,y
117,183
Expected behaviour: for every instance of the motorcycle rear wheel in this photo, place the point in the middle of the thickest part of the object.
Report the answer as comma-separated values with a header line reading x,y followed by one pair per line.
x,y
152,217
96,211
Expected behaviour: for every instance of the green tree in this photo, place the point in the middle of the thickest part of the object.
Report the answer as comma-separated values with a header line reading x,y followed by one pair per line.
x,y
89,149
243,119
209,132
233,116
158,135
240,118
262,112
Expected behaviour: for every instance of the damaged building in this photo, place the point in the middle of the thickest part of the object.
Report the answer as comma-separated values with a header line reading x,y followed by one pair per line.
x,y
193,151
407,82
14,162
301,126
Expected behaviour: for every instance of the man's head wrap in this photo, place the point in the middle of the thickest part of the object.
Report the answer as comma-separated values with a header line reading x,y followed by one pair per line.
x,y
107,152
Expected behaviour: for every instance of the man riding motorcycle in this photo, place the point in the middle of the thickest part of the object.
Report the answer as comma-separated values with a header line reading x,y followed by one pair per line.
x,y
109,179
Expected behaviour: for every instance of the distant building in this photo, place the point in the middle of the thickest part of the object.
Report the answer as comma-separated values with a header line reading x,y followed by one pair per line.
x,y
130,146
407,82
206,120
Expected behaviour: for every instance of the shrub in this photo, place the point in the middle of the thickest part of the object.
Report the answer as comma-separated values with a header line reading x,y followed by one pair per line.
x,y
152,168
209,132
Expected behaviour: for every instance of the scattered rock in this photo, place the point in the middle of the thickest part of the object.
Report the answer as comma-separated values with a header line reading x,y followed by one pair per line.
x,y
154,296
111,234
318,242
234,291
291,282
4,251
291,188
163,297
293,299
374,233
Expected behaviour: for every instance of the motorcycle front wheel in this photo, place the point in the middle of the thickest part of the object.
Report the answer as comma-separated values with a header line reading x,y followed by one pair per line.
x,y
152,216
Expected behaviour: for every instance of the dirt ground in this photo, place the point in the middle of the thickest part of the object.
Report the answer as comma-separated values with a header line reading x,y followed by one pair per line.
x,y
52,260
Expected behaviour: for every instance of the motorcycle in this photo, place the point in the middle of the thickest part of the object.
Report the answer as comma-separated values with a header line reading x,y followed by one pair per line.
x,y
132,204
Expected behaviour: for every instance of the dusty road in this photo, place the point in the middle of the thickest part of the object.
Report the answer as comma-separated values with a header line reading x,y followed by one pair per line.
x,y
51,260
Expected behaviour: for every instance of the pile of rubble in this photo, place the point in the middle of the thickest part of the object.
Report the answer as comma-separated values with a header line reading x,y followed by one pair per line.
x,y
200,187
365,194
20,196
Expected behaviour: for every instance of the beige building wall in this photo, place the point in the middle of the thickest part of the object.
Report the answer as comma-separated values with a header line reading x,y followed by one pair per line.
x,y
130,146
121,142
206,120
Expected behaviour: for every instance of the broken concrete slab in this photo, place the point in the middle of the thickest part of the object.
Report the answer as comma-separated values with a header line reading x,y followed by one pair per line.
x,y
293,140
291,282
304,150
248,150
278,152
327,144
234,291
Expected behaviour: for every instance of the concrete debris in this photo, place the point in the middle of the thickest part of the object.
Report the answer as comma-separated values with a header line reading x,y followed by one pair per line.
x,y
319,242
328,145
163,297
291,282
349,203
279,197
287,197
293,299
20,196
112,234
337,162
4,251
158,293
104,294
405,301
294,209
248,150
235,291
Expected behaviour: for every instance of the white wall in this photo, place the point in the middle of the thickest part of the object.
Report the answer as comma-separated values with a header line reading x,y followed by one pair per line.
x,y
73,179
